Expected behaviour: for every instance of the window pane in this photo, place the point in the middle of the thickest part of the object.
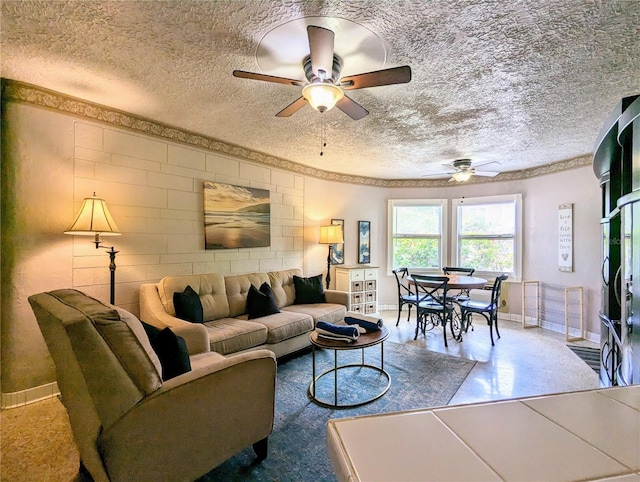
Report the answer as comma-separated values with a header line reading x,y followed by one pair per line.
x,y
488,254
488,219
416,253
417,220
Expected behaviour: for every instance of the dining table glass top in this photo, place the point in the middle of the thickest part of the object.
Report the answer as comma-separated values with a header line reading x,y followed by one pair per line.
x,y
456,281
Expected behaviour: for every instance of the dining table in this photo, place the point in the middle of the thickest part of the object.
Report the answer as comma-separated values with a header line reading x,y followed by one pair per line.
x,y
456,282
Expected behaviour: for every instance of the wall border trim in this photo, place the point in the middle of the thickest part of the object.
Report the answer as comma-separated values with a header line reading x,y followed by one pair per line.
x,y
31,94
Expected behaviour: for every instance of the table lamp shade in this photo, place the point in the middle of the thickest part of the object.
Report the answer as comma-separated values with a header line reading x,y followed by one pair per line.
x,y
94,217
331,234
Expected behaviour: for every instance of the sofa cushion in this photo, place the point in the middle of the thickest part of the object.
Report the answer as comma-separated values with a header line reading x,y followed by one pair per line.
x,y
237,289
230,335
285,324
308,290
171,350
282,286
138,329
188,306
261,302
329,312
210,288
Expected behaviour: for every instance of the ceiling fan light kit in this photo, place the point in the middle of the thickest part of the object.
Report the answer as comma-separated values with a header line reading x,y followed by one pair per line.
x,y
322,96
462,176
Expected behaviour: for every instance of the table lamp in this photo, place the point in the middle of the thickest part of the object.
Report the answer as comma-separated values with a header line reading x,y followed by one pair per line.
x,y
330,235
94,219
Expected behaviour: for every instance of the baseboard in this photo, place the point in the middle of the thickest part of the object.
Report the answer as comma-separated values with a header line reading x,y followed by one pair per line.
x,y
30,395
557,327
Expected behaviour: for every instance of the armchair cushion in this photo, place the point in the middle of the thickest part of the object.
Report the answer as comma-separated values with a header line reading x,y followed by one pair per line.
x,y
188,306
309,290
261,302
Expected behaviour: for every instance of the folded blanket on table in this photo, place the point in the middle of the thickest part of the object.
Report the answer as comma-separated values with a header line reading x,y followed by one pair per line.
x,y
337,332
369,323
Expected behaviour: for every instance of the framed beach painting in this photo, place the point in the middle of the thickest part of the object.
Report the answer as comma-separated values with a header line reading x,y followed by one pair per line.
x,y
337,250
236,216
364,242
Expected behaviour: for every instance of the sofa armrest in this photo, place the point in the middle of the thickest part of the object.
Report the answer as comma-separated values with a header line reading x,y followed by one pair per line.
x,y
337,297
195,421
152,311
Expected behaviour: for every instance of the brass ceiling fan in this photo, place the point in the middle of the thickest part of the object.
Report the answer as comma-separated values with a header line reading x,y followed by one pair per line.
x,y
324,88
461,170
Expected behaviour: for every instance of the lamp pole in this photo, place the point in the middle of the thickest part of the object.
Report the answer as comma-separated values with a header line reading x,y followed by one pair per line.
x,y
112,267
329,266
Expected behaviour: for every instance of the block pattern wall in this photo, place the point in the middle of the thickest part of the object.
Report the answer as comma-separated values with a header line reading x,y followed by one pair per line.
x,y
154,190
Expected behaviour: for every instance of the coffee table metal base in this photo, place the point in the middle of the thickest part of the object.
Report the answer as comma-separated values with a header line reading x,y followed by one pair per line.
x,y
335,369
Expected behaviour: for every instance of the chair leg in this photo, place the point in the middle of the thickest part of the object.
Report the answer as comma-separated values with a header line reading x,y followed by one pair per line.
x,y
399,311
261,448
495,318
444,330
409,314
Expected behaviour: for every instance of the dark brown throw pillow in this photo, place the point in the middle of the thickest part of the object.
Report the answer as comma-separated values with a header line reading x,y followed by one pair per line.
x,y
308,290
188,306
261,302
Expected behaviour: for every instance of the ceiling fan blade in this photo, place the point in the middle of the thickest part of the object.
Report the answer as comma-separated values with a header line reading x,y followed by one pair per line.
x,y
266,78
478,164
352,108
486,173
395,75
321,41
292,108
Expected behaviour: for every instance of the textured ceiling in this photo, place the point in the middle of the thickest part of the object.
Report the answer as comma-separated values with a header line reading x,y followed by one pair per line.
x,y
523,83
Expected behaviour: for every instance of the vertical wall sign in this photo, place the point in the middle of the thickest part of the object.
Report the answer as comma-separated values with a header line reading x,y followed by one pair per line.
x,y
565,237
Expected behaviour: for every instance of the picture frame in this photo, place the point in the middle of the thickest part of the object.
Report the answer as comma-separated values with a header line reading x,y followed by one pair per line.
x,y
337,250
565,237
364,242
236,216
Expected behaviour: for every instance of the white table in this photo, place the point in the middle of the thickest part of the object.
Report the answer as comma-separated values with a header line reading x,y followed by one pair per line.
x,y
591,435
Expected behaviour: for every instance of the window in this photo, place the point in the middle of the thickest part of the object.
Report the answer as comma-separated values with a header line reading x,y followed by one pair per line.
x,y
488,234
416,228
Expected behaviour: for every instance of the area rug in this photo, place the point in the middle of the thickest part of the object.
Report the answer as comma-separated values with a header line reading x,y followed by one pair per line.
x,y
297,446
591,356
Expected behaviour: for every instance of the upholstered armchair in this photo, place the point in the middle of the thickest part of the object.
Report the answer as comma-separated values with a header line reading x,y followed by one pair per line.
x,y
127,422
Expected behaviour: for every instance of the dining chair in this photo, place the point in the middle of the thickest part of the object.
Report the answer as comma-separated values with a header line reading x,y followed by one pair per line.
x,y
406,295
489,311
463,295
432,305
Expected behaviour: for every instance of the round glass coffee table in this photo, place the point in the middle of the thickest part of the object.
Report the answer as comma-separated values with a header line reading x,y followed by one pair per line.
x,y
365,340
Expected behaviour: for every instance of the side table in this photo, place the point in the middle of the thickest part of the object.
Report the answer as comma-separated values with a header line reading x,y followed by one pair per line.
x,y
364,341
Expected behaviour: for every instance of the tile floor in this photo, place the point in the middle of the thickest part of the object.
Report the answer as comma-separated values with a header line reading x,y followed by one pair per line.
x,y
524,362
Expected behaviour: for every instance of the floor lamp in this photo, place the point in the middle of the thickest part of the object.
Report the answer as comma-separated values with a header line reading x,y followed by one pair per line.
x,y
330,235
94,219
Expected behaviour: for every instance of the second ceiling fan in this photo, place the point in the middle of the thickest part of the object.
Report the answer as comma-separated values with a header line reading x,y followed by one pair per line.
x,y
324,88
463,169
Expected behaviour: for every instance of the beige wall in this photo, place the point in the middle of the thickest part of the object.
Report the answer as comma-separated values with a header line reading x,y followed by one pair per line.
x,y
51,161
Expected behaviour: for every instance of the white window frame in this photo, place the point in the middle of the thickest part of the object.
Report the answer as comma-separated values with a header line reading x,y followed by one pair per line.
x,y
517,262
444,233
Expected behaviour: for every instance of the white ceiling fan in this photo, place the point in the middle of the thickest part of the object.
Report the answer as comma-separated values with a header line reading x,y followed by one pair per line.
x,y
324,88
461,170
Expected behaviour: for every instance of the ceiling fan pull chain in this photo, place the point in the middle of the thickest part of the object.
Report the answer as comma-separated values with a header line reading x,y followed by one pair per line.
x,y
323,135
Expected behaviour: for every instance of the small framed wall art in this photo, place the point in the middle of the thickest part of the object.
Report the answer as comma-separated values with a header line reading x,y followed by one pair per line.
x,y
337,250
565,237
364,242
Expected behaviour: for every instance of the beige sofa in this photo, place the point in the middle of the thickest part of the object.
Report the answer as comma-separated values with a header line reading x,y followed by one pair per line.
x,y
226,328
130,425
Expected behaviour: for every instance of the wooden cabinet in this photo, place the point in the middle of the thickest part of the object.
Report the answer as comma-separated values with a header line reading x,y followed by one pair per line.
x,y
361,282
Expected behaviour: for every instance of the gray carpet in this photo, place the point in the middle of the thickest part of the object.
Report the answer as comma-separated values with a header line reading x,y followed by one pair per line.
x,y
297,446
591,356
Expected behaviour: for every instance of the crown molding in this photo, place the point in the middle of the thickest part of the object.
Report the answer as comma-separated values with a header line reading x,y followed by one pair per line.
x,y
34,95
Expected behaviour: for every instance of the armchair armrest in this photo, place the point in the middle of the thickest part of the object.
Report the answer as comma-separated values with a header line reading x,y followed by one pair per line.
x,y
337,297
152,311
195,421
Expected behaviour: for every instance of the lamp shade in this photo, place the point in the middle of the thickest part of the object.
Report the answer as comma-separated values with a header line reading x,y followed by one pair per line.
x,y
322,96
94,218
331,234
